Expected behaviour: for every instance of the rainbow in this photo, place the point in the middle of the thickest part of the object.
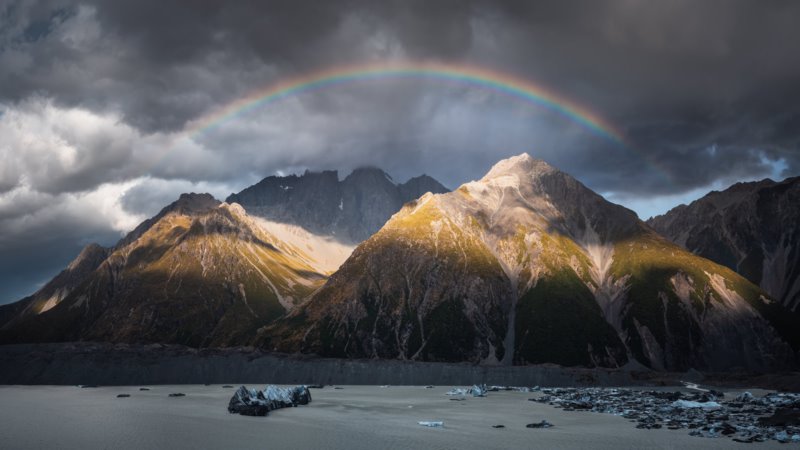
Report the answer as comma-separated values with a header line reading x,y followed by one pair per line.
x,y
502,83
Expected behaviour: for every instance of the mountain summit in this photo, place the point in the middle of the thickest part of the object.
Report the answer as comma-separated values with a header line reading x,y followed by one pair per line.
x,y
350,210
528,265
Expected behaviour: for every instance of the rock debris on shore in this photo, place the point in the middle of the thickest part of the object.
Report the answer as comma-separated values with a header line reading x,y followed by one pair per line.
x,y
744,418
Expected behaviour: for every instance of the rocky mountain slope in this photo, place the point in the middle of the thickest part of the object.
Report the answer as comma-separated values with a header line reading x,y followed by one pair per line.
x,y
350,210
752,228
527,265
200,273
315,201
56,289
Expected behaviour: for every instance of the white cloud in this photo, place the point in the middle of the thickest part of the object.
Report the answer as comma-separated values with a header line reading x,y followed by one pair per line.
x,y
52,149
28,214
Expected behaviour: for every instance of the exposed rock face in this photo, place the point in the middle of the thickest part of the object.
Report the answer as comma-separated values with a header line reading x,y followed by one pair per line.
x,y
200,273
527,265
52,293
350,210
752,228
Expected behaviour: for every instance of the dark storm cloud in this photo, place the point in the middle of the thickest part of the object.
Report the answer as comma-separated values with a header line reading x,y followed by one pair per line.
x,y
680,74
92,94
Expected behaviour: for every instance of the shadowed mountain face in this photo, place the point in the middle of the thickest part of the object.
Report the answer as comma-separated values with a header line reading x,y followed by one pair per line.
x,y
350,210
527,265
753,228
56,289
200,273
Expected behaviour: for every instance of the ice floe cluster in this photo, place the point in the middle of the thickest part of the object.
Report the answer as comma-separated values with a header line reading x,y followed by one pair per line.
x,y
480,390
252,402
744,418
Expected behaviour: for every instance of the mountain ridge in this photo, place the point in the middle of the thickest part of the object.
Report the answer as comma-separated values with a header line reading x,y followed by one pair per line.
x,y
524,266
527,265
349,210
199,273
750,228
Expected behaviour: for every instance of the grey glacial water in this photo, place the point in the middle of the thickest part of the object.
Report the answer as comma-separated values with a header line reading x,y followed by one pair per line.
x,y
353,418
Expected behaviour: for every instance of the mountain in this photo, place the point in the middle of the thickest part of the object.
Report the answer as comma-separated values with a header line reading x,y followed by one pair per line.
x,y
752,228
56,289
528,265
350,210
200,273
315,201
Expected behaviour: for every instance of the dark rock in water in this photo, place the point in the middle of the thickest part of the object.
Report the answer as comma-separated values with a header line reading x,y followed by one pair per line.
x,y
85,386
782,417
671,396
498,426
542,424
715,395
144,389
227,386
727,429
337,387
252,402
428,387
648,423
177,394
315,386
123,395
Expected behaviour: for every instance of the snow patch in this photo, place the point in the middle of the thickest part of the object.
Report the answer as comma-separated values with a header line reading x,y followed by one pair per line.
x,y
610,294
730,298
322,253
650,346
682,286
51,302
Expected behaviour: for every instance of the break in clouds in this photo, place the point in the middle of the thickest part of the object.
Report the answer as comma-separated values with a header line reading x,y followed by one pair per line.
x,y
95,99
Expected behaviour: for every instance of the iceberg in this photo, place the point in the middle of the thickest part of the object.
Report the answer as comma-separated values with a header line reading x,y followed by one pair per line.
x,y
252,402
475,391
432,424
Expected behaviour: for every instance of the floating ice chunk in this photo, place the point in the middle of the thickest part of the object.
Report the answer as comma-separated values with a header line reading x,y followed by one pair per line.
x,y
686,404
478,391
432,424
782,437
457,391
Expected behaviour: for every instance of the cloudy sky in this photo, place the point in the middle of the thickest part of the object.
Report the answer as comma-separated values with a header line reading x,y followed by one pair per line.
x,y
96,98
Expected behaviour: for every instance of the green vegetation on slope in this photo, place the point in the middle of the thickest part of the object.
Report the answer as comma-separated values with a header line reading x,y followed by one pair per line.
x,y
558,319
